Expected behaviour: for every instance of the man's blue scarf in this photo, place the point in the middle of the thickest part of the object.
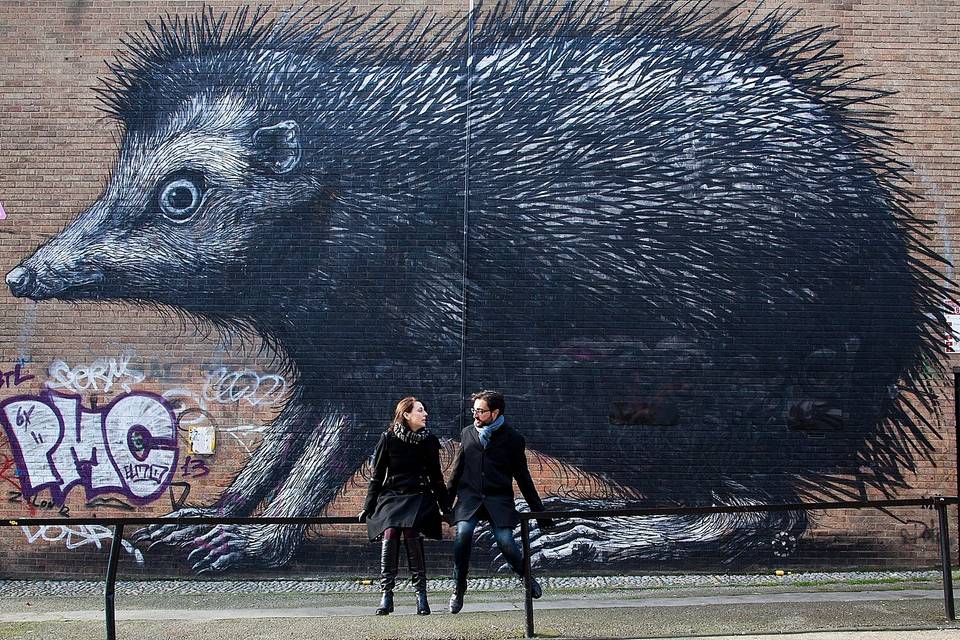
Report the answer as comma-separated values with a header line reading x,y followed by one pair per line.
x,y
486,431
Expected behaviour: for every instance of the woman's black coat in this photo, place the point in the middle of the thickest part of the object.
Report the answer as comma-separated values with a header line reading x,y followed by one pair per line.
x,y
406,488
484,477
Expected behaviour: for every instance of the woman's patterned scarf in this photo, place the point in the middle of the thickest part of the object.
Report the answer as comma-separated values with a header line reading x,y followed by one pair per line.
x,y
408,436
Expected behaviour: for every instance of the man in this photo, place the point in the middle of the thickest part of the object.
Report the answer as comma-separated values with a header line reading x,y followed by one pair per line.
x,y
492,455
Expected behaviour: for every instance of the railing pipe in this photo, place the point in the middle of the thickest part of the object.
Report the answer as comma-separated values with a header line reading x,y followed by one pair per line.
x,y
941,505
109,591
527,577
592,514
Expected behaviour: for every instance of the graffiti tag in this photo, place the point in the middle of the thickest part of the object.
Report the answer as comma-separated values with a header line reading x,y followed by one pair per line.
x,y
129,446
225,386
14,377
193,467
101,375
78,536
35,503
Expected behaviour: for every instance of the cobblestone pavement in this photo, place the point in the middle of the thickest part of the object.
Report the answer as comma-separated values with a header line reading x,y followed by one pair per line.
x,y
28,588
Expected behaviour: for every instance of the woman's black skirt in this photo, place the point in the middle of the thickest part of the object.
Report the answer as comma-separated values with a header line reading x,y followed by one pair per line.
x,y
405,510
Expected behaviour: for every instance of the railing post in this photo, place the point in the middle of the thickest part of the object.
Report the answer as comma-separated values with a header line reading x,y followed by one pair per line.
x,y
108,594
527,591
941,505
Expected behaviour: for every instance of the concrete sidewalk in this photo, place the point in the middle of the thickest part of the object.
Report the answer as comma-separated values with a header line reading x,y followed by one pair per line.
x,y
593,601
939,634
885,610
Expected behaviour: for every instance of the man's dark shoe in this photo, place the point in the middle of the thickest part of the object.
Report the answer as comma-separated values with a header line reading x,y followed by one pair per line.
x,y
456,602
535,589
423,607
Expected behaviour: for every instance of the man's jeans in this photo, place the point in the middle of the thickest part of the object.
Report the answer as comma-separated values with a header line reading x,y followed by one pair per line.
x,y
463,541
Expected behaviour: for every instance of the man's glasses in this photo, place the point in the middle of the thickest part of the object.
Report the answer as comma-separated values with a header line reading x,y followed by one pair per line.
x,y
478,412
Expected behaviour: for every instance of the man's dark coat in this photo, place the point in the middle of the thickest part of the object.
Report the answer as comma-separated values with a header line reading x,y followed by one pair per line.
x,y
484,477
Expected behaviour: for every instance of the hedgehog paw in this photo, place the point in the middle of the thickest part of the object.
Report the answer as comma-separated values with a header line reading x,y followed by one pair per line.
x,y
563,539
174,534
576,542
573,542
233,546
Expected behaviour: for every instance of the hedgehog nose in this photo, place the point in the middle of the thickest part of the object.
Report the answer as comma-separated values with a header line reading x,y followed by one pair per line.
x,y
21,281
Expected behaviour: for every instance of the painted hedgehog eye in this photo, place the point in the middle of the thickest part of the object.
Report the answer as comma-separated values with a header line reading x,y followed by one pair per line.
x,y
180,195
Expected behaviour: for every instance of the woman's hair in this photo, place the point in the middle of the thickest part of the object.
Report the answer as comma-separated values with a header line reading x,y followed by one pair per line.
x,y
404,406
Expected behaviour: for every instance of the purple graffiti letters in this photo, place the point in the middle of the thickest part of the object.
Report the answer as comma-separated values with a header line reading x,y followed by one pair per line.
x,y
129,446
14,377
192,467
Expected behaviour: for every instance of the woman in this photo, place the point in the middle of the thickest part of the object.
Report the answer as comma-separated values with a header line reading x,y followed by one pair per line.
x,y
405,498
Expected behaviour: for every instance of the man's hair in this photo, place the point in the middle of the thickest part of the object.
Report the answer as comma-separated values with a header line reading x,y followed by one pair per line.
x,y
494,399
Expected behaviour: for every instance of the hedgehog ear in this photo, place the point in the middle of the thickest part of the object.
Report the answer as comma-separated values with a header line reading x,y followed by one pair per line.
x,y
278,147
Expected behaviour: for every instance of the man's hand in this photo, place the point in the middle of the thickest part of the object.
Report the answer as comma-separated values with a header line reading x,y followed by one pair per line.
x,y
546,525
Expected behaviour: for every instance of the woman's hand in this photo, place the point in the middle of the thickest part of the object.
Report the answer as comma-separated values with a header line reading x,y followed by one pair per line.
x,y
362,516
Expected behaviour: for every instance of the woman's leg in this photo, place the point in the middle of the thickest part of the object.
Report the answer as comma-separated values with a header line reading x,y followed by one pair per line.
x,y
418,568
389,558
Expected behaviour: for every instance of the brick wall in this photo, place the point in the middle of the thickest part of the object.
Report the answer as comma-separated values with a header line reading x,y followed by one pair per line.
x,y
555,346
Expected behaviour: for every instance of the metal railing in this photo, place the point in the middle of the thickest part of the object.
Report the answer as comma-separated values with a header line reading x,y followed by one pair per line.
x,y
940,503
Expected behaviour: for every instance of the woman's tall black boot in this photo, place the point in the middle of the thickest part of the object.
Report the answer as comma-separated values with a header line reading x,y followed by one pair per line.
x,y
389,557
418,573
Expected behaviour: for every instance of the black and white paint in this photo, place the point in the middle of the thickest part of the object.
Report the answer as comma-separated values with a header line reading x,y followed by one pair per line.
x,y
675,238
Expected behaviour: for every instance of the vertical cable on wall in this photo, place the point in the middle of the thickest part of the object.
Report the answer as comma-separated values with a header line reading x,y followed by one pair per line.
x,y
466,211
956,435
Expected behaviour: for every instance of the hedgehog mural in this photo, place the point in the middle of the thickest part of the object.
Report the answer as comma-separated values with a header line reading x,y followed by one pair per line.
x,y
673,236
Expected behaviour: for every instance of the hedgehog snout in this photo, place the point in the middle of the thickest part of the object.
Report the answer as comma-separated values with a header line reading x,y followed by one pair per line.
x,y
22,281
41,282
26,281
